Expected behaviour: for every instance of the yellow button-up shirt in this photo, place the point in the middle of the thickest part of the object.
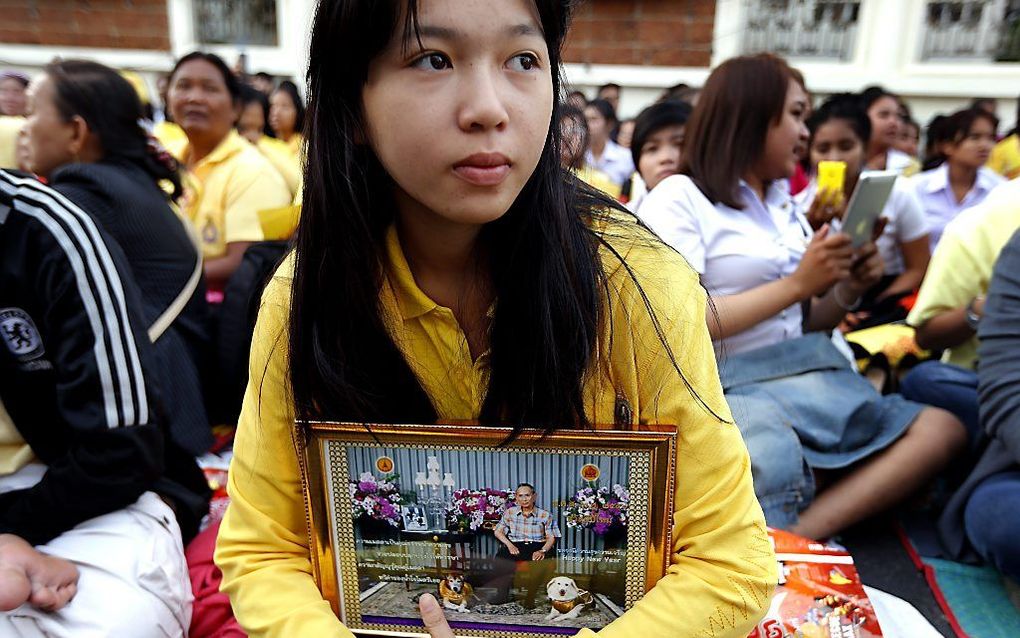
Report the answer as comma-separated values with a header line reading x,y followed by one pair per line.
x,y
226,189
723,568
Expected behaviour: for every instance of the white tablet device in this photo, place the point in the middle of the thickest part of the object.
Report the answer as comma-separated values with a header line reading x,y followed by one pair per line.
x,y
866,204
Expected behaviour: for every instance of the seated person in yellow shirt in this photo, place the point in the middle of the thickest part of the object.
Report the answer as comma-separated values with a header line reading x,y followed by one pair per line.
x,y
287,117
228,181
254,126
447,268
950,304
1005,159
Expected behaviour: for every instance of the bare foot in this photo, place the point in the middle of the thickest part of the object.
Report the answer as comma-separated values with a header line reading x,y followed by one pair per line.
x,y
27,575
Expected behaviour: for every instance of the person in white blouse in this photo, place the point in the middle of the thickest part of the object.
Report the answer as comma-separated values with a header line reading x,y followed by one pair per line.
x,y
840,130
960,180
656,146
603,153
803,411
886,116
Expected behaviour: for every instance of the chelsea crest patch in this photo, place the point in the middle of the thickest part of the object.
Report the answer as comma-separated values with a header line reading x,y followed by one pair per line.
x,y
19,334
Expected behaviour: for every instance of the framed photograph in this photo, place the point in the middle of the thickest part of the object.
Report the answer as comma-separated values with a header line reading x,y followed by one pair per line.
x,y
414,518
540,536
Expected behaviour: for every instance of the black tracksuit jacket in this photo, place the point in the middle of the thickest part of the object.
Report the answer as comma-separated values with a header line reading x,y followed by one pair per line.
x,y
76,372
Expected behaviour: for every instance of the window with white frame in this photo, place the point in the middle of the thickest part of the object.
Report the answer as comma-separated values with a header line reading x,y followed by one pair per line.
x,y
824,29
242,22
971,30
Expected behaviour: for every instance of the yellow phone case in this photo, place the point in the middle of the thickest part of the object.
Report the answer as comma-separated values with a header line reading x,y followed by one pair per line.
x,y
831,176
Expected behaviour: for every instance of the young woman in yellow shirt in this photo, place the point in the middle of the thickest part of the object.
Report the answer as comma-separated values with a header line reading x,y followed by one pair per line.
x,y
447,268
287,117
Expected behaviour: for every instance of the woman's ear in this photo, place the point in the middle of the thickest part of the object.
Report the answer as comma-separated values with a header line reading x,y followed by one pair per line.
x,y
79,135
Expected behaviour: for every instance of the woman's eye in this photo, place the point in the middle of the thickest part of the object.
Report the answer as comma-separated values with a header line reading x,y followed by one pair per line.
x,y
432,62
523,62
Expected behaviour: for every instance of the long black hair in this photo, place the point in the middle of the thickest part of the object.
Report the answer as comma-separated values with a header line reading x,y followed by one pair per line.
x,y
847,107
546,273
112,111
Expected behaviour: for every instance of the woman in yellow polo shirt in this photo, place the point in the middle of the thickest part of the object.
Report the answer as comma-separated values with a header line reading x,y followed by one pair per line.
x,y
228,181
287,116
447,268
253,124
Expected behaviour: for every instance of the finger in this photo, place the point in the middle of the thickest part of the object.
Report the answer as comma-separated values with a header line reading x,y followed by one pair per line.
x,y
879,228
432,616
820,234
838,240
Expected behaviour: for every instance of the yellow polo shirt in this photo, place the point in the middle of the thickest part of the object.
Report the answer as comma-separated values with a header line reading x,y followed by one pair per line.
x,y
14,452
170,135
10,126
961,267
283,160
225,191
296,145
1005,158
723,568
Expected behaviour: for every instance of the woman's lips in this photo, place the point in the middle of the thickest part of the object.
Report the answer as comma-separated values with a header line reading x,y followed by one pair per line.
x,y
483,169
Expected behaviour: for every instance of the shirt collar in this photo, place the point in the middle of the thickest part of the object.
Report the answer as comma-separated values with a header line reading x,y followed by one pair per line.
x,y
229,146
777,193
412,302
939,179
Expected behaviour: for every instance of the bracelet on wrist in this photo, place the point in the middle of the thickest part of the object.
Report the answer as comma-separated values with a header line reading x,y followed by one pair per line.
x,y
839,302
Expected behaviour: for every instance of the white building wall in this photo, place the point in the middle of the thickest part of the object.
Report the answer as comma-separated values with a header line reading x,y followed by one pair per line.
x,y
887,53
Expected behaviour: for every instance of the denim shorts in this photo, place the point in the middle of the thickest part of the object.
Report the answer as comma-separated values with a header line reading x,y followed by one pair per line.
x,y
800,405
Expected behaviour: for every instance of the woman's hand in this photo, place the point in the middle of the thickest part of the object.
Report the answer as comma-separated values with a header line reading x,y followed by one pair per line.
x,y
433,617
867,270
826,206
827,260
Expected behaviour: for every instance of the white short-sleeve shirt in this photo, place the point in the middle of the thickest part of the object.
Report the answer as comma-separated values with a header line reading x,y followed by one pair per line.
x,y
938,201
906,222
616,162
734,250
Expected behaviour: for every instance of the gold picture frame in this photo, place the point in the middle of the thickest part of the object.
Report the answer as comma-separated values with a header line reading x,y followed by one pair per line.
x,y
608,495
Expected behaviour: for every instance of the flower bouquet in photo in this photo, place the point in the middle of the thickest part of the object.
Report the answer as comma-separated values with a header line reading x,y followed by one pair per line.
x,y
600,509
377,499
477,509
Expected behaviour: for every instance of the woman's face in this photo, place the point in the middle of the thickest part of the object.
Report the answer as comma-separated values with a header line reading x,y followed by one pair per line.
x,y
836,141
660,154
252,122
598,126
787,138
200,101
49,138
13,98
572,142
625,134
885,122
910,138
974,149
282,114
461,122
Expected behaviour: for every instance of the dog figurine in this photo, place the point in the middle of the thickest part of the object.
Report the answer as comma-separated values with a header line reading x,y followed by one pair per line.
x,y
455,592
566,598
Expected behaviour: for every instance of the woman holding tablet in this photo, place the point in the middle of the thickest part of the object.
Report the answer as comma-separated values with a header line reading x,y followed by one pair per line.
x,y
447,268
839,132
777,286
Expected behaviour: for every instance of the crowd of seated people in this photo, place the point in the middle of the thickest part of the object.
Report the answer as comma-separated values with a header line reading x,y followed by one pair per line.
x,y
123,225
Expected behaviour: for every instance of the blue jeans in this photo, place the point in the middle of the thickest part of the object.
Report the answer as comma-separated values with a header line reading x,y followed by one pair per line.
x,y
952,388
992,521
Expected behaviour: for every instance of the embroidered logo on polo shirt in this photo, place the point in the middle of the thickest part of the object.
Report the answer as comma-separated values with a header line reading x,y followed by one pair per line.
x,y
19,334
